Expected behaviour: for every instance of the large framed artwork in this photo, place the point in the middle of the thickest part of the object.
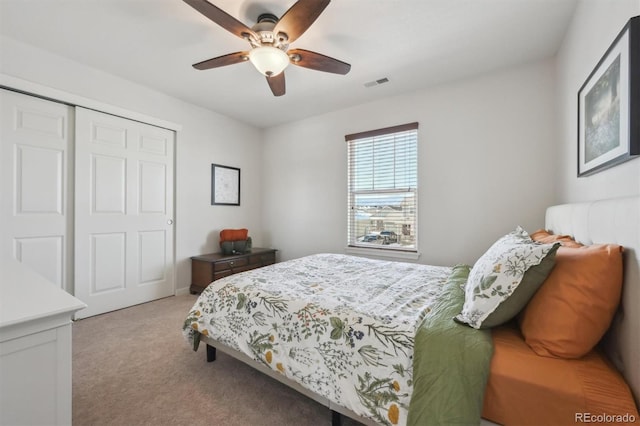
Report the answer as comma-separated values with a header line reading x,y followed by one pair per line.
x,y
225,185
609,105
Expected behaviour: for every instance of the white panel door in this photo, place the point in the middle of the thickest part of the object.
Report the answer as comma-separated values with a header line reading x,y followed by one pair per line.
x,y
35,214
123,212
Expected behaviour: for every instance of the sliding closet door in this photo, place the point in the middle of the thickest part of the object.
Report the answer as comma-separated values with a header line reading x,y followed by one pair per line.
x,y
123,212
35,140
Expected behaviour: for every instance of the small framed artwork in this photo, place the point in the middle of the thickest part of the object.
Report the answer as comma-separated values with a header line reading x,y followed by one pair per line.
x,y
609,105
225,185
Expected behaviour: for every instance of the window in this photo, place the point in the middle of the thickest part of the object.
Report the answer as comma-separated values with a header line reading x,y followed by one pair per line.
x,y
383,188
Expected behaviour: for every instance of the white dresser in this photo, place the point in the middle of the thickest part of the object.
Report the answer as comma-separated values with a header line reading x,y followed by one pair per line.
x,y
35,348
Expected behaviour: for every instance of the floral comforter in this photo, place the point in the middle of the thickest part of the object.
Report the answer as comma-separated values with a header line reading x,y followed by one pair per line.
x,y
341,326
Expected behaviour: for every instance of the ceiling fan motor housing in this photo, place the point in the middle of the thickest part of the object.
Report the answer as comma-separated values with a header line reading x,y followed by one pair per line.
x,y
264,29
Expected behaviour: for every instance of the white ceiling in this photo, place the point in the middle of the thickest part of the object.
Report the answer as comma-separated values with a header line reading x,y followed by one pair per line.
x,y
413,43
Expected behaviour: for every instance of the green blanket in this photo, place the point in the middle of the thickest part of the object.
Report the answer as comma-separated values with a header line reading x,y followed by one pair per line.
x,y
451,363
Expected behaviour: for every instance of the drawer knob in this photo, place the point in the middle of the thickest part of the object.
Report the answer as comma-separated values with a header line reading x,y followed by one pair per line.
x,y
231,263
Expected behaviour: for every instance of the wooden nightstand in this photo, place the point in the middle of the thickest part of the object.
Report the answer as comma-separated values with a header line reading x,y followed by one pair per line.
x,y
207,268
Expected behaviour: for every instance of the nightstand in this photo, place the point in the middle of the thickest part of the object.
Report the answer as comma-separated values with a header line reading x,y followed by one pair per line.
x,y
207,268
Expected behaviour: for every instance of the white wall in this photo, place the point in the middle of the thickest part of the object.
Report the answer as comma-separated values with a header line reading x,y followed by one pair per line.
x,y
593,28
205,138
495,150
484,148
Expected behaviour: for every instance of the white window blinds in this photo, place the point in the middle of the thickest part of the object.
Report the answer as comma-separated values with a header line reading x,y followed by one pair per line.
x,y
383,188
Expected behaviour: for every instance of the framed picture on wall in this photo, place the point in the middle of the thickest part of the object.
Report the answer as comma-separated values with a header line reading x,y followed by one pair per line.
x,y
225,185
609,105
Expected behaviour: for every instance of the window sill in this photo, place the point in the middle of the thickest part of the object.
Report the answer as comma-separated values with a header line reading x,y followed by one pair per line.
x,y
381,253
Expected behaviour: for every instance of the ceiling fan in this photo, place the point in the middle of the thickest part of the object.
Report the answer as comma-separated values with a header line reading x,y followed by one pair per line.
x,y
269,39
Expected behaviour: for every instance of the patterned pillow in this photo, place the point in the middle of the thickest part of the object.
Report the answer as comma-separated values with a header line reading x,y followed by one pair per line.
x,y
504,279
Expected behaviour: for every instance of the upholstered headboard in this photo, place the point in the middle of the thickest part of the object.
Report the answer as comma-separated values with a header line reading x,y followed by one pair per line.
x,y
612,221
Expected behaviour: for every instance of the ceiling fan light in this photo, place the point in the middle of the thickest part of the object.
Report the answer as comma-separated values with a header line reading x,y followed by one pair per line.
x,y
269,60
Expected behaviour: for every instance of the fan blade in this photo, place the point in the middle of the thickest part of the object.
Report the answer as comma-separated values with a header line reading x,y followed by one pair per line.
x,y
222,18
221,61
299,18
276,83
316,61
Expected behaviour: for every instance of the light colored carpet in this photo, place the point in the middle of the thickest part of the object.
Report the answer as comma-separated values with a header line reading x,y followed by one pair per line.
x,y
133,367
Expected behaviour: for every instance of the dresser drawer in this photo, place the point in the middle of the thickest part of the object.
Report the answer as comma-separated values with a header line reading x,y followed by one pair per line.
x,y
221,274
223,265
263,259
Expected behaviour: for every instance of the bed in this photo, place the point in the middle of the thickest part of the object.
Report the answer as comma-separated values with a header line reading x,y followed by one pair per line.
x,y
334,329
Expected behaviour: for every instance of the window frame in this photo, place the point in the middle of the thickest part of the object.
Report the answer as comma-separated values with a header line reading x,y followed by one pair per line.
x,y
383,251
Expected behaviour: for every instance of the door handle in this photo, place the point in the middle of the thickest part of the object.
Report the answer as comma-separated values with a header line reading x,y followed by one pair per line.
x,y
170,222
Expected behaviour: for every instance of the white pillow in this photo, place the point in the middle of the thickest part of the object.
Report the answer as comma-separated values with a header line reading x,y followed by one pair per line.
x,y
499,273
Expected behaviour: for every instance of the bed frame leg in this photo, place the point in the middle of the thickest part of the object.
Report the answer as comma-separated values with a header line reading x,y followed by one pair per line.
x,y
336,418
211,353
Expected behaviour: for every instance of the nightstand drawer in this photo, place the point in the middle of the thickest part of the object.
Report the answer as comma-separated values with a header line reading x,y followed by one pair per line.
x,y
221,274
263,259
222,265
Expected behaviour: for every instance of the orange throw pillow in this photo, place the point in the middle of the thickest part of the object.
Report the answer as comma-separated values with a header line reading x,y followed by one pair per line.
x,y
544,237
574,307
233,234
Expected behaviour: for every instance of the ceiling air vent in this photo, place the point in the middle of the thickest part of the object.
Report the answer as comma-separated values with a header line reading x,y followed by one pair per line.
x,y
376,82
